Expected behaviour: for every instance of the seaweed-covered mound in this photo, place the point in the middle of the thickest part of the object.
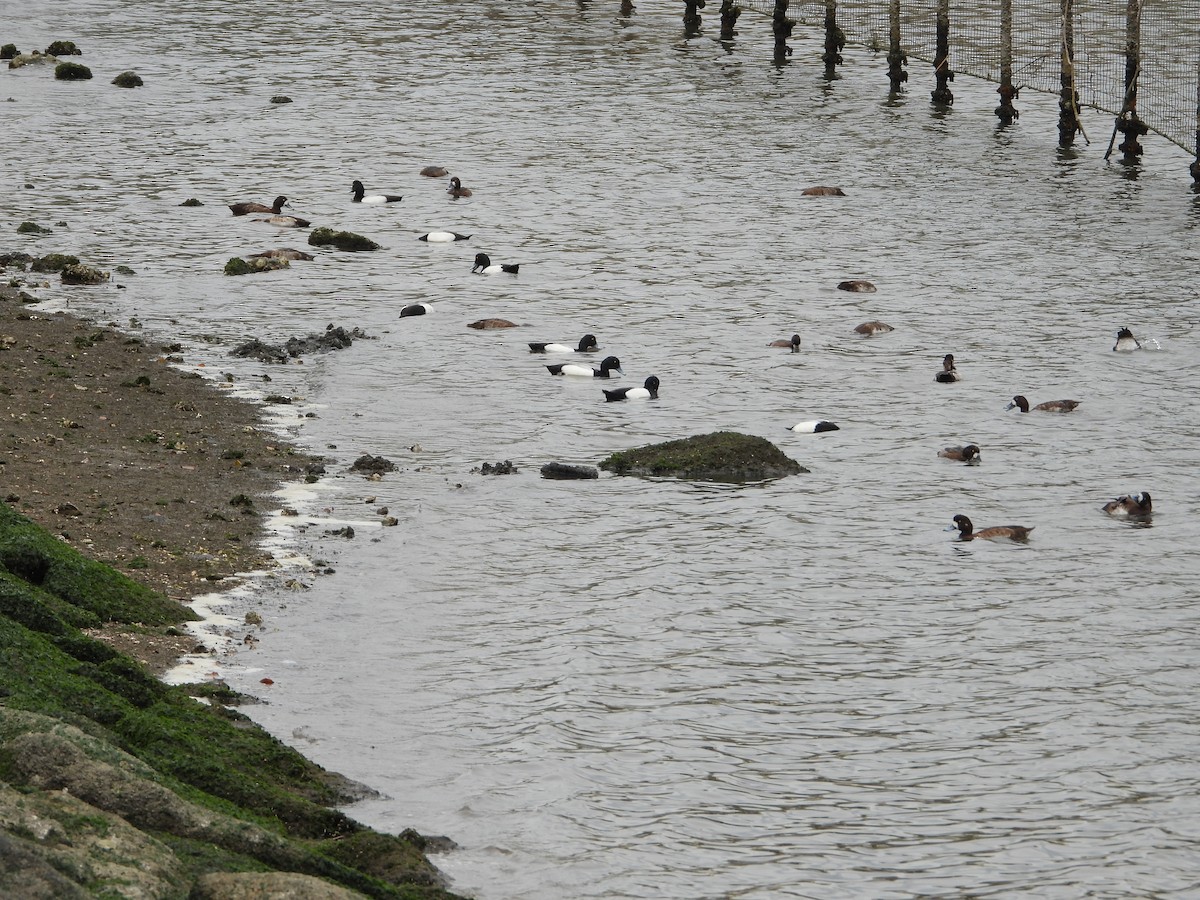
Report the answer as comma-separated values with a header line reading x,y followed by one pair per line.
x,y
239,266
342,240
719,456
69,71
128,80
112,777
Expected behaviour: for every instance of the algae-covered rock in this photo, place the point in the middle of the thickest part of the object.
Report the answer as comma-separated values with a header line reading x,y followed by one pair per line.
x,y
281,98
54,262
342,240
720,456
567,472
8,51
31,228
78,273
239,266
124,270
69,71
191,201
128,80
63,48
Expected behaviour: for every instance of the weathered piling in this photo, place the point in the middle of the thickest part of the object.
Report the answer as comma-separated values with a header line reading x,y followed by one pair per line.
x,y
781,27
1196,165
941,59
730,11
1068,98
897,58
835,40
1128,122
691,17
1006,112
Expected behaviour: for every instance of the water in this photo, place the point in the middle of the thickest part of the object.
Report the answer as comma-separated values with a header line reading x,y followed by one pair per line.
x,y
630,688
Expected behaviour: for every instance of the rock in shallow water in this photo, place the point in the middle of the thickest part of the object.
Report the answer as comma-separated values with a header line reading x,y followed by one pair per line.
x,y
719,456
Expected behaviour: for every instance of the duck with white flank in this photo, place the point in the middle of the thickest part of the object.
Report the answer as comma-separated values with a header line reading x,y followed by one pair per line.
x,y
483,266
286,222
608,365
1126,342
415,309
587,344
361,196
443,237
814,426
649,391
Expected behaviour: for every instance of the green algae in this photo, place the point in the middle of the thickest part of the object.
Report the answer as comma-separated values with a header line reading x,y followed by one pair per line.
x,y
720,456
342,240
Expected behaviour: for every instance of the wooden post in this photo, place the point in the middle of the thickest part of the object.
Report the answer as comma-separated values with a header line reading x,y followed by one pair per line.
x,y
1006,112
941,59
1128,122
897,59
835,40
729,16
691,17
782,27
1068,97
1196,165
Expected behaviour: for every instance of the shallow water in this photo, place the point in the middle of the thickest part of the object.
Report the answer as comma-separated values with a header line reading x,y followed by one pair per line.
x,y
633,688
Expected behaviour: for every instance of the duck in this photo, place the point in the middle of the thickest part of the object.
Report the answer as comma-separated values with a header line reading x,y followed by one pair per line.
x,y
1131,505
968,454
1126,342
857,286
360,195
793,342
814,426
608,365
282,253
286,222
648,391
483,265
1049,406
415,309
244,209
587,343
491,324
443,237
967,532
870,328
456,189
949,374
822,191
435,172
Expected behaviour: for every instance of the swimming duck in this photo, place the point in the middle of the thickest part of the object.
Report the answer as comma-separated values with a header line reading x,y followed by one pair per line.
x,y
456,189
949,374
244,209
968,454
1049,406
1131,505
814,426
286,222
870,328
483,265
1126,342
793,342
822,191
360,195
282,253
649,391
415,309
967,532
587,343
434,172
857,286
490,324
608,365
443,237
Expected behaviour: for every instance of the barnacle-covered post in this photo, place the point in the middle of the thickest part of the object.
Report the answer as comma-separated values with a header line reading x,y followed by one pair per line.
x,y
1006,112
1128,122
691,17
835,40
1196,164
941,57
781,27
1068,98
897,59
729,16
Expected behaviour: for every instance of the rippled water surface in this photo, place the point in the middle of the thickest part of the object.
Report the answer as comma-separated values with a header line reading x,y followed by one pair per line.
x,y
629,688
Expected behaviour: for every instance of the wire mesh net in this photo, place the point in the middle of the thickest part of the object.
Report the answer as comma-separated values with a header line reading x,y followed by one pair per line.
x,y
1168,94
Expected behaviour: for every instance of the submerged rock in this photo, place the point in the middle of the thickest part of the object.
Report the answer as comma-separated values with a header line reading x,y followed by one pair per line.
x,y
8,51
566,471
342,240
32,228
128,80
720,456
504,468
69,71
54,262
63,48
77,273
373,465
191,201
239,266
281,98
